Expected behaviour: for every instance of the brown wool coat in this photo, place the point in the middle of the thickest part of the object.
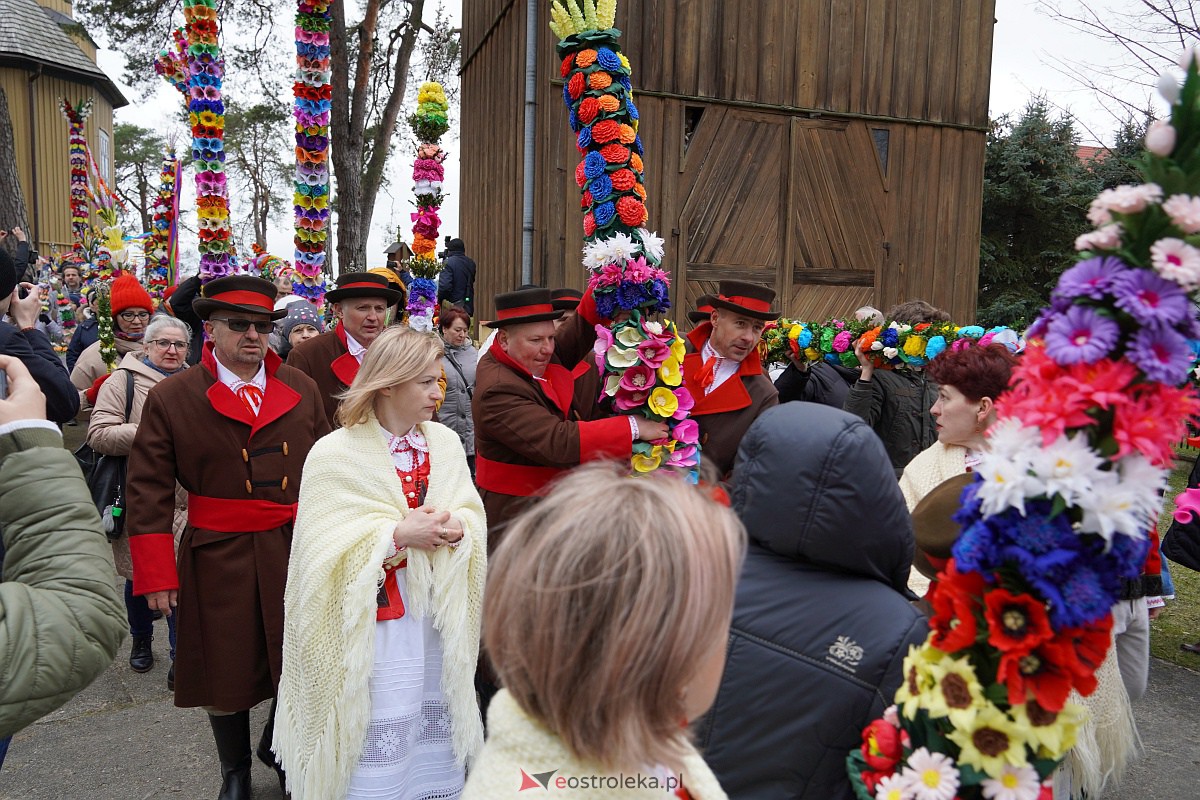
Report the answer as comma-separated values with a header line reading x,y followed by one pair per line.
x,y
230,612
314,357
727,413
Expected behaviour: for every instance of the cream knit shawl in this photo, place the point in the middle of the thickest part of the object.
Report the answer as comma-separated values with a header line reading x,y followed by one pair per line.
x,y
350,501
933,465
517,742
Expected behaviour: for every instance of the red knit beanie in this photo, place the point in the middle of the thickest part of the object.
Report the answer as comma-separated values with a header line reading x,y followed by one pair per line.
x,y
127,293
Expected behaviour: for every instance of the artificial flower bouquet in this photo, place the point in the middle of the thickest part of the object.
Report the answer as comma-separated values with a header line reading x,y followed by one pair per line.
x,y
313,98
640,358
1062,501
429,124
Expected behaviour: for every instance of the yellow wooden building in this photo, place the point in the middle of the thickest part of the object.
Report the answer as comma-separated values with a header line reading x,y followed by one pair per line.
x,y
46,55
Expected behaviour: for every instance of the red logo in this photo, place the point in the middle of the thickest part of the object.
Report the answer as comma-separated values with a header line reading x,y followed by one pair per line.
x,y
538,780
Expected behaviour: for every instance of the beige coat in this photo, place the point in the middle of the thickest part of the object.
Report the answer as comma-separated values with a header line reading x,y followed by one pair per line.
x,y
110,433
91,366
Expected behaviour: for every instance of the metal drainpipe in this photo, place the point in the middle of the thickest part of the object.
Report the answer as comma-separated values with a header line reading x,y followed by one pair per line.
x,y
35,226
531,40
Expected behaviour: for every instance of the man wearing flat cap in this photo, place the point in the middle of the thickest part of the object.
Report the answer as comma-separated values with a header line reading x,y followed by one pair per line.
x,y
724,373
233,432
360,303
531,425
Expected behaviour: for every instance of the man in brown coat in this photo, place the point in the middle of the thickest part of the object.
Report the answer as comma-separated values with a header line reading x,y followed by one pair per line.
x,y
234,432
530,423
360,304
724,373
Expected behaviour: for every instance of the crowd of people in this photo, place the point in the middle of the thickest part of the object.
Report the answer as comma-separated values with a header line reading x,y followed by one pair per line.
x,y
395,536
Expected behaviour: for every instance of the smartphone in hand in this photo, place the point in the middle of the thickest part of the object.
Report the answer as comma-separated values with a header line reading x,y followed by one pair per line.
x,y
3,385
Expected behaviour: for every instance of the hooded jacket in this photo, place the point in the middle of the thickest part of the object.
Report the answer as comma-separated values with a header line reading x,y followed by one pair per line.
x,y
821,623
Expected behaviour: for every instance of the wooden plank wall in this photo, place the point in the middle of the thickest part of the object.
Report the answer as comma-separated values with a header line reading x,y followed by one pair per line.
x,y
743,199
52,149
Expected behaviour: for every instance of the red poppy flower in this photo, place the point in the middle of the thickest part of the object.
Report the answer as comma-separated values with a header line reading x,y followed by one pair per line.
x,y
631,211
955,600
1016,623
565,70
1085,651
576,85
1040,671
580,175
615,153
588,109
606,131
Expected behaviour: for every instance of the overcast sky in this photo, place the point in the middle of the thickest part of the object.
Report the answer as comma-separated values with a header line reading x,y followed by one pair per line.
x,y
1026,44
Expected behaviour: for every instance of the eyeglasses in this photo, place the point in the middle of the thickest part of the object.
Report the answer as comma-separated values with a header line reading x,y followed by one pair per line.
x,y
243,325
167,344
130,316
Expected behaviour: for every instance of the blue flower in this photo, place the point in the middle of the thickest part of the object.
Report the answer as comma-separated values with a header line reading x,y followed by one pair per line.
x,y
603,213
593,165
662,293
975,549
935,346
804,338
608,59
1079,593
1128,555
606,302
600,187
974,331
631,108
573,118
628,84
637,145
630,295
567,96
832,358
584,138
890,337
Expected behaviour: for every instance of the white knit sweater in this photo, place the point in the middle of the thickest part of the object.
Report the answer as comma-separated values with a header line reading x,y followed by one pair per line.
x,y
350,502
932,466
518,745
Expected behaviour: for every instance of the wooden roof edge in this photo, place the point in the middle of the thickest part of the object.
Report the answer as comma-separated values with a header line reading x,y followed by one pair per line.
x,y
104,84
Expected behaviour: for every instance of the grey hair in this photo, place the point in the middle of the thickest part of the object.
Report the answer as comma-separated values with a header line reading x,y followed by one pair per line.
x,y
161,321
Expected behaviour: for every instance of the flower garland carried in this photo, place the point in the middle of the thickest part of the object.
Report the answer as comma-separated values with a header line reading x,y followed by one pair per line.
x,y
313,93
104,325
267,266
76,117
111,255
429,124
206,115
1061,504
641,360
163,244
893,345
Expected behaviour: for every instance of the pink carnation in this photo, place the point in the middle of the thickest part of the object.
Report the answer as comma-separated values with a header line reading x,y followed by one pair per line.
x,y
1184,212
1122,200
1176,260
1108,237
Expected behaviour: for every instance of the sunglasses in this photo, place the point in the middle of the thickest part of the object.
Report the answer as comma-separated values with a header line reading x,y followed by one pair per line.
x,y
242,325
167,344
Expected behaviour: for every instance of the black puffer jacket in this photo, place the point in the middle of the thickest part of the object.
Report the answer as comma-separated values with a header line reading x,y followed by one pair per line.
x,y
820,624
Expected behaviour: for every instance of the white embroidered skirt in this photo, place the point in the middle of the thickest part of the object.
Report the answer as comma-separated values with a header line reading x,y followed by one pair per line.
x,y
408,753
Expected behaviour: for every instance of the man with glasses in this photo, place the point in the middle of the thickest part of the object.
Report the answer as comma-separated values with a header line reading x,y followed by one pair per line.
x,y
234,432
360,304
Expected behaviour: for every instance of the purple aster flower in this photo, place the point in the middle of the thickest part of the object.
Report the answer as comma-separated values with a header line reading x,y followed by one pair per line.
x,y
1080,334
1163,354
1149,298
1091,278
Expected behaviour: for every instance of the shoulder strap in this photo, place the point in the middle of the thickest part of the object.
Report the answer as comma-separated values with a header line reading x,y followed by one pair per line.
x,y
454,363
128,393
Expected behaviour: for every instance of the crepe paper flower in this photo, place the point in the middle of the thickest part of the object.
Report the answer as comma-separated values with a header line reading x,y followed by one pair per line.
x,y
1014,783
918,678
1092,278
1162,354
1080,334
663,402
1150,299
1184,212
637,378
1177,261
892,787
1016,623
686,431
1160,138
931,776
648,462
684,403
1122,200
1039,673
991,742
957,693
671,372
622,358
954,599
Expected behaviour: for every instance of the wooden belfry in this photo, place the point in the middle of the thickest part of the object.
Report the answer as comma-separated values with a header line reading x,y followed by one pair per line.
x,y
830,148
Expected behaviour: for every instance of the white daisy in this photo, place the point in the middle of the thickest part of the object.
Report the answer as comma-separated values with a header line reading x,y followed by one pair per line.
x,y
893,787
652,245
1067,466
1006,484
1111,508
931,776
1014,783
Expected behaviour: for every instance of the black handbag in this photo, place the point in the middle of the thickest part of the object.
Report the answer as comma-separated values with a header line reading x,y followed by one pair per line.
x,y
105,476
1181,542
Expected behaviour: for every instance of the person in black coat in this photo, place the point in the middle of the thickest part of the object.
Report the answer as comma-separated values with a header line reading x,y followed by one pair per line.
x,y
179,305
456,284
822,620
21,339
822,382
87,333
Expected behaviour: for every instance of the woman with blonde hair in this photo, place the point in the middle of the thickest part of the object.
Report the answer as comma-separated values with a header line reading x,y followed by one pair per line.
x,y
608,639
384,594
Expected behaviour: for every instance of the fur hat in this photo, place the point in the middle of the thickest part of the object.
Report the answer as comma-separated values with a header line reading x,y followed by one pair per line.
x,y
127,293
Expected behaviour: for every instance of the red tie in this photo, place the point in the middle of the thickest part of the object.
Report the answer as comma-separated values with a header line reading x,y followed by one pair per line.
x,y
251,397
708,372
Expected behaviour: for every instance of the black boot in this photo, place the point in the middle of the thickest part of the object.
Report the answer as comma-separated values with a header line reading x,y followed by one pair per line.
x,y
264,750
171,678
232,734
141,657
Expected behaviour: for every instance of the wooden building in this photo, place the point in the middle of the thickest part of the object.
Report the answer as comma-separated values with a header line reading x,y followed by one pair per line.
x,y
46,55
830,148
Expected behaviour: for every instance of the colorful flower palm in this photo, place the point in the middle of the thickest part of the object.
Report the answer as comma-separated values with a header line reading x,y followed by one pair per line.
x,y
1062,502
76,117
429,123
314,94
206,115
162,246
640,360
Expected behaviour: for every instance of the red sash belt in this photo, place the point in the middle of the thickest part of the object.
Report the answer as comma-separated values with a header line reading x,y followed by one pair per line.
x,y
514,479
236,516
